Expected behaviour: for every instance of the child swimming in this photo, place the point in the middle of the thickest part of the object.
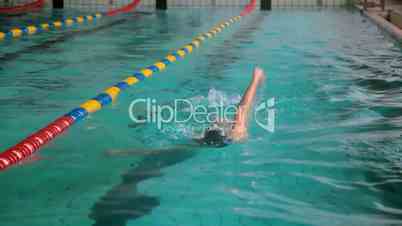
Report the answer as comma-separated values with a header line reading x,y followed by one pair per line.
x,y
221,132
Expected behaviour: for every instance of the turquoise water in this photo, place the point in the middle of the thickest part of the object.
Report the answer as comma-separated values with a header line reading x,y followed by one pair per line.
x,y
333,159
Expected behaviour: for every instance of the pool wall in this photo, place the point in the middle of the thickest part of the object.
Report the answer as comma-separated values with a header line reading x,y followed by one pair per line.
x,y
387,26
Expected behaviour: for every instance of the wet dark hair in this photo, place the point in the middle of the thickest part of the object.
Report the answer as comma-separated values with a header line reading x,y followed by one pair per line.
x,y
215,138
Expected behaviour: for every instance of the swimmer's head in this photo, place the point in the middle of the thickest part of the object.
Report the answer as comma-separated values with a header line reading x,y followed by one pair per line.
x,y
214,138
216,135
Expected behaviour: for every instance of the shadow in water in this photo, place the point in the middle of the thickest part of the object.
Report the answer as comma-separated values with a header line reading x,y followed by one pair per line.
x,y
123,202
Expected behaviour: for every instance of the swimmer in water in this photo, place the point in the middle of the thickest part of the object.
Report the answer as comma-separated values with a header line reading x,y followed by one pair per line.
x,y
222,133
123,202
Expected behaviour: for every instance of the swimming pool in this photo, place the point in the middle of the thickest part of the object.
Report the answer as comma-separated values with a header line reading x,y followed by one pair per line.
x,y
333,159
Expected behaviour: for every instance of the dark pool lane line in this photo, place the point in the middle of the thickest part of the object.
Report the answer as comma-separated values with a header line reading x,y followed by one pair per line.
x,y
51,42
65,37
228,52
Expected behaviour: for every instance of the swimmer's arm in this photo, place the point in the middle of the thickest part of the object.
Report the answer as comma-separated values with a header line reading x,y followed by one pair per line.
x,y
239,131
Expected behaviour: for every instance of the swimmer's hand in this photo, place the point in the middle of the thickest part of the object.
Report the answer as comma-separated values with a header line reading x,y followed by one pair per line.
x,y
258,75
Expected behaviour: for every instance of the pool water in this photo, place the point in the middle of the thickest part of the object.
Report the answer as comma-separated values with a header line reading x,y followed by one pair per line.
x,y
333,159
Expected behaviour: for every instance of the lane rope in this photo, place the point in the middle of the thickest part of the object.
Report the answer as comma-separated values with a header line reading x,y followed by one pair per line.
x,y
18,32
124,9
37,140
23,8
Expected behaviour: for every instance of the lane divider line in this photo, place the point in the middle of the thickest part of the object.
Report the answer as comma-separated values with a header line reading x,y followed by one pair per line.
x,y
37,140
18,32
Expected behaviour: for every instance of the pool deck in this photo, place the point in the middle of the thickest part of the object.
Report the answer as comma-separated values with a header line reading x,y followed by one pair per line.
x,y
390,19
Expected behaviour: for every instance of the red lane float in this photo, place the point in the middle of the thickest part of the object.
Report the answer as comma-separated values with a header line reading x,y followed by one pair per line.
x,y
124,9
249,8
34,142
24,8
